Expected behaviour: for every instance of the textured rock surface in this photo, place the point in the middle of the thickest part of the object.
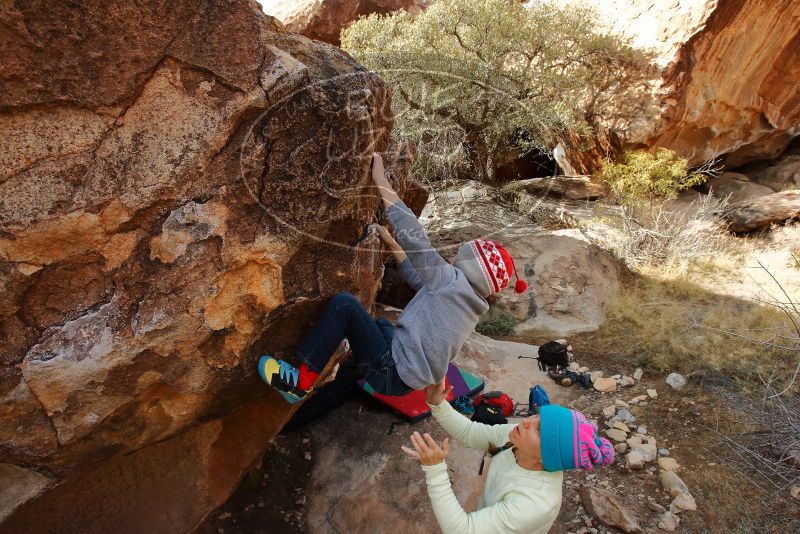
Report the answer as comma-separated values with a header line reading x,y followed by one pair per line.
x,y
571,187
763,211
324,19
181,188
571,281
19,486
182,478
782,176
735,95
730,76
602,504
736,187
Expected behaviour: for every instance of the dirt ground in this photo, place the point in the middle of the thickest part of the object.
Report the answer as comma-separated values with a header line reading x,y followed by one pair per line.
x,y
689,422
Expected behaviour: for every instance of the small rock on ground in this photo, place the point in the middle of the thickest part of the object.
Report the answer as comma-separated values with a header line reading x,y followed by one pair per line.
x,y
649,452
603,384
634,460
676,381
602,504
622,426
668,522
627,381
683,503
668,464
616,434
672,483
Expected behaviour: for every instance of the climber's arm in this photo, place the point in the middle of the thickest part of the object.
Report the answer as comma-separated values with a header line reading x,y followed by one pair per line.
x,y
432,269
408,271
385,189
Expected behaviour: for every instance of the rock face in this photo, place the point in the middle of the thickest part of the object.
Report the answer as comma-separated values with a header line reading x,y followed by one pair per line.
x,y
571,187
761,212
325,19
782,176
730,74
736,187
181,189
733,95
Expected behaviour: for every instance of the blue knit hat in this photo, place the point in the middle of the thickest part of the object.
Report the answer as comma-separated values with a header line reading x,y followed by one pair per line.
x,y
569,441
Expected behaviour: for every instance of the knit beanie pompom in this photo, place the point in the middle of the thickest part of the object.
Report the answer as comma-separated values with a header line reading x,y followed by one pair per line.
x,y
488,266
570,441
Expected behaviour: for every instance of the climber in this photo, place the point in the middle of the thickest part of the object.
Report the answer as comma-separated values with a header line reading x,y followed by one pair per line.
x,y
449,300
522,492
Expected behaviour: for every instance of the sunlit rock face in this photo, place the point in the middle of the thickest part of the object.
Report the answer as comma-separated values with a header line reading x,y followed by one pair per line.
x,y
730,74
182,187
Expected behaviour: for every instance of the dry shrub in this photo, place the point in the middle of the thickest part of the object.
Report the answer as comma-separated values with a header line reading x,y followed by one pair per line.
x,y
677,325
764,445
726,314
788,237
546,212
650,234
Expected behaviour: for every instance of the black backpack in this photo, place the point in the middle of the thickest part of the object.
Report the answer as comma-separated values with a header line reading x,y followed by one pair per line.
x,y
553,354
489,414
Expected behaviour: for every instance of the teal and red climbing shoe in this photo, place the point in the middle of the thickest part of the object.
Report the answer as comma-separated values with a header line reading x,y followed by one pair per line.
x,y
282,376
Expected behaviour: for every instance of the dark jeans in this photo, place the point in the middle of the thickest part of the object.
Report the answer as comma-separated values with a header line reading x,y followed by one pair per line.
x,y
370,340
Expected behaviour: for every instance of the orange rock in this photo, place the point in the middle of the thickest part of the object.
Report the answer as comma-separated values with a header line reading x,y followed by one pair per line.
x,y
171,207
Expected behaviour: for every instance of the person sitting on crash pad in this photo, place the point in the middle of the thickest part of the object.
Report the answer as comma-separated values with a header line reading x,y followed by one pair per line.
x,y
522,492
414,353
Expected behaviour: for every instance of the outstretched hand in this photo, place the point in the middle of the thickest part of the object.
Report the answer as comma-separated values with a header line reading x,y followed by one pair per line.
x,y
426,450
435,394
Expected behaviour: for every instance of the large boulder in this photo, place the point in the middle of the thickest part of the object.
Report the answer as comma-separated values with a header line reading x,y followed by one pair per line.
x,y
761,212
325,19
783,175
736,187
181,189
571,280
569,187
729,74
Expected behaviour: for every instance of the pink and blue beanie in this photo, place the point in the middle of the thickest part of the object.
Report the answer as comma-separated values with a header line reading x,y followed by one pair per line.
x,y
569,441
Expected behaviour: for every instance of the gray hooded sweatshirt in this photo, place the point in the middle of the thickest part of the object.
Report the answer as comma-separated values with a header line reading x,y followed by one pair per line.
x,y
434,326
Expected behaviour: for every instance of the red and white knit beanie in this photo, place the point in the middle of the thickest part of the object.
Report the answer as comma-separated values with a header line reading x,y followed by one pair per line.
x,y
487,266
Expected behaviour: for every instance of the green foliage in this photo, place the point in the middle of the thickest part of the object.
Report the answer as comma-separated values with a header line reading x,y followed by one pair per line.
x,y
502,325
475,78
649,175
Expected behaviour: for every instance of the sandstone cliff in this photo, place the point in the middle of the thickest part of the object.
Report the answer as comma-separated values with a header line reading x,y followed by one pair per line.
x,y
181,188
731,70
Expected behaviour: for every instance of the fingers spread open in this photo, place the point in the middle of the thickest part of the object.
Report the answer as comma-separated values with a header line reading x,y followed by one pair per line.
x,y
431,442
419,443
413,454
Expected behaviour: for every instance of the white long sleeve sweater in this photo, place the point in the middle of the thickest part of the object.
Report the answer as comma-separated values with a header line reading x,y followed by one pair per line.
x,y
514,500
